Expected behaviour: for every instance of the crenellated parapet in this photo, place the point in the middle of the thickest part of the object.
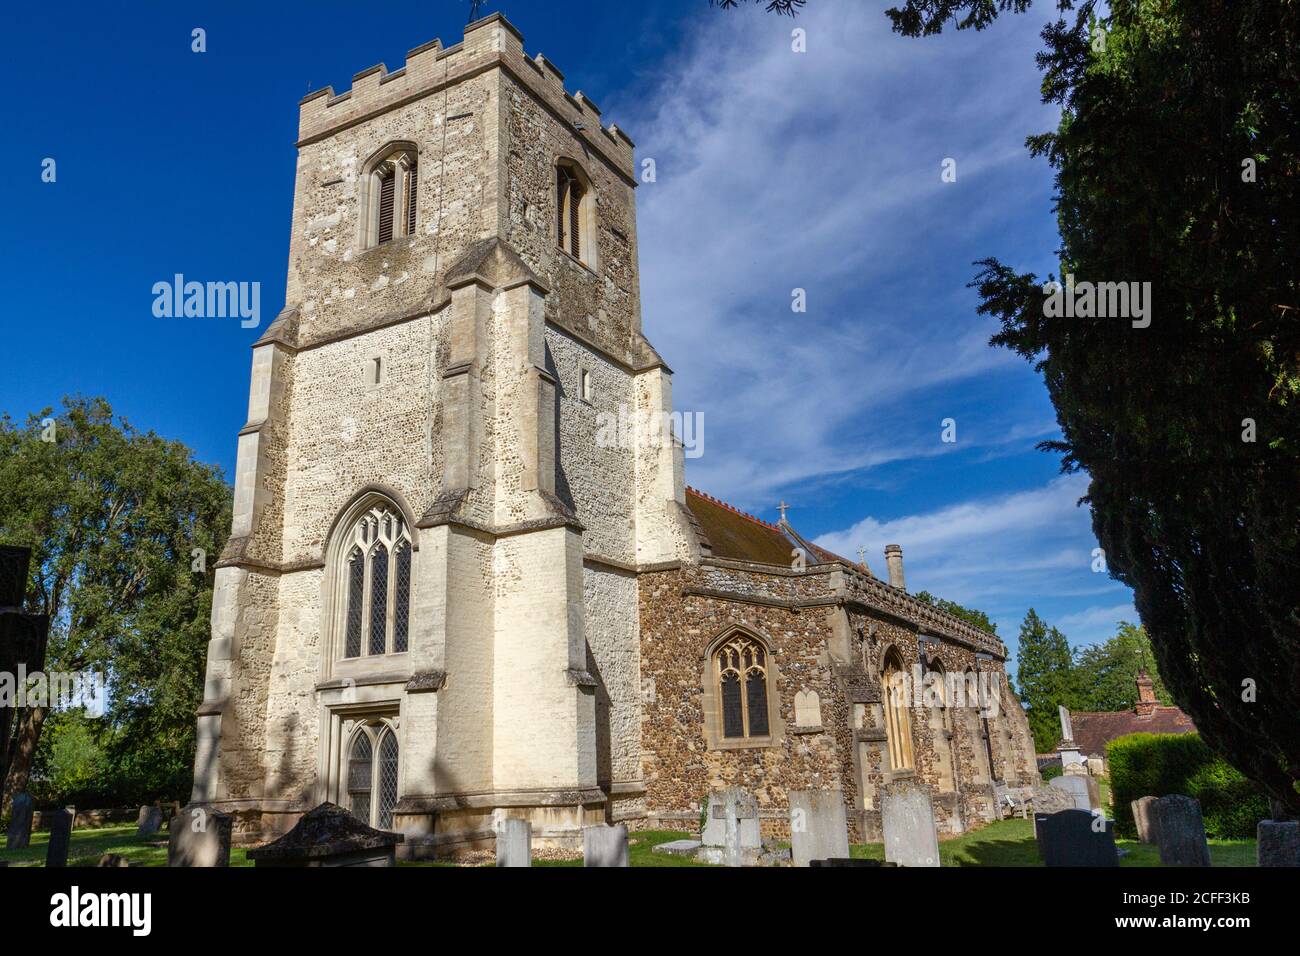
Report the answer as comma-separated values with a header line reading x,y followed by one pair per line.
x,y
490,43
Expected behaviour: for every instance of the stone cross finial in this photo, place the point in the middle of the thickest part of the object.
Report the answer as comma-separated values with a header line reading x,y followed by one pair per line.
x,y
783,506
862,555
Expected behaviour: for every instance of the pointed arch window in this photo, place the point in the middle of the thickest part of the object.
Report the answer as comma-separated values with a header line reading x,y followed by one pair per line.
x,y
574,212
372,774
377,608
389,195
898,714
742,687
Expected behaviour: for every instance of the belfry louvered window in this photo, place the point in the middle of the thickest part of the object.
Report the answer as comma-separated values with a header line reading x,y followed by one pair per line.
x,y
412,180
742,687
572,197
389,197
372,773
377,612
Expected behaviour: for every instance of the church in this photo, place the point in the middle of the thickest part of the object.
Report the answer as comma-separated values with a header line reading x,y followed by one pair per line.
x,y
449,597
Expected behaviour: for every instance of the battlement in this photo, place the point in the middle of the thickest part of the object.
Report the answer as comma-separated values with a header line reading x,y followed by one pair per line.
x,y
489,43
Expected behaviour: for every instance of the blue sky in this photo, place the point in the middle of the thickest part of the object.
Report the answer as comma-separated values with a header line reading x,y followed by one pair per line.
x,y
776,170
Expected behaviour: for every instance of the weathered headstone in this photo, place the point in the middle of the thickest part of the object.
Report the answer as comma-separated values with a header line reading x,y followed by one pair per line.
x,y
1077,787
1075,838
1180,831
605,846
514,842
56,852
19,836
113,859
907,818
148,821
1144,819
199,836
731,830
819,828
328,835
1277,843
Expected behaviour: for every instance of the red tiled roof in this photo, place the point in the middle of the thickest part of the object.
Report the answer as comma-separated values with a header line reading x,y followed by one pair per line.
x,y
734,534
1092,731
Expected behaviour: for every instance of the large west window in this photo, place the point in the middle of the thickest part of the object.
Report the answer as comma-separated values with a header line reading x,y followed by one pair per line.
x,y
377,610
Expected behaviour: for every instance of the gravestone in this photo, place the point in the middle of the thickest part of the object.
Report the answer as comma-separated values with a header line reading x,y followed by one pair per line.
x,y
328,835
113,859
604,846
1180,831
1075,838
56,853
19,836
199,836
1277,843
731,830
907,817
148,821
678,847
819,828
1144,819
515,842
1077,788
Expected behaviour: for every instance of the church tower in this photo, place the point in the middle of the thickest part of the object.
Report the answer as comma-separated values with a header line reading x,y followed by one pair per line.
x,y
427,611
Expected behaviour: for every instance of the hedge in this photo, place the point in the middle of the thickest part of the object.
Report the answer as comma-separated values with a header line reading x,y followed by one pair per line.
x,y
1157,765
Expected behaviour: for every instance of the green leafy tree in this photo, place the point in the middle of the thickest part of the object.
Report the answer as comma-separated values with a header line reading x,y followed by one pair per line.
x,y
1105,675
967,614
1044,671
1177,162
114,518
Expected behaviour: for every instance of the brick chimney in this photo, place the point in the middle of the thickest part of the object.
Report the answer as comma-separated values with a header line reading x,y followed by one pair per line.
x,y
894,562
1146,704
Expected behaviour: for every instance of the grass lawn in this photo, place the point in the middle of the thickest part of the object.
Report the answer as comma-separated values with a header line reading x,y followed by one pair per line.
x,y
89,845
1011,843
1005,843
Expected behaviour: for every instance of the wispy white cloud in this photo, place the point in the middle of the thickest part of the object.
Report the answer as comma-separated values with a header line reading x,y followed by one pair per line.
x,y
1003,554
821,171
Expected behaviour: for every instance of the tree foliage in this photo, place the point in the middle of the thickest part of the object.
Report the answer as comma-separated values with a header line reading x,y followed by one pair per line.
x,y
113,517
1044,673
788,8
967,614
1176,163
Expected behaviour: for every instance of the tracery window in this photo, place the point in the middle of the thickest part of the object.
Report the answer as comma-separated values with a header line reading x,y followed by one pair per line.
x,y
372,774
378,601
741,665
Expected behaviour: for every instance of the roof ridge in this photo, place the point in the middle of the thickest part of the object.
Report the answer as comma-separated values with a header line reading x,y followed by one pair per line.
x,y
732,508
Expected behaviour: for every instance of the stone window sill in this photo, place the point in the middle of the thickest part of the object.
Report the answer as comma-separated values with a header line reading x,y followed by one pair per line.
x,y
745,743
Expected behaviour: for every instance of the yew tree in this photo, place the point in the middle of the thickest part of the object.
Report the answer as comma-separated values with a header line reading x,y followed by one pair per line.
x,y
1176,163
